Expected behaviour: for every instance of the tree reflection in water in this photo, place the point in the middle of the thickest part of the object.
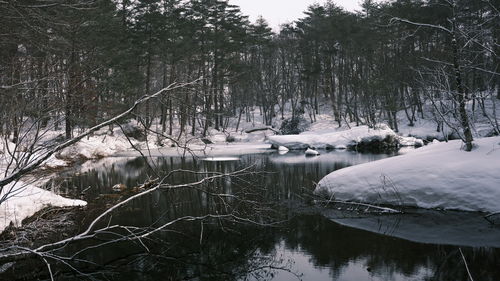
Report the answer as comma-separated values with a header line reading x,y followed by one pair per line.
x,y
306,245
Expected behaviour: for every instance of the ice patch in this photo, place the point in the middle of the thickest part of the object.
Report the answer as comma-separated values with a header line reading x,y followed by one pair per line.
x,y
220,159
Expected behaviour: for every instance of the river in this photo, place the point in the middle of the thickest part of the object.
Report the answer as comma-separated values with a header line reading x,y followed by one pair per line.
x,y
313,241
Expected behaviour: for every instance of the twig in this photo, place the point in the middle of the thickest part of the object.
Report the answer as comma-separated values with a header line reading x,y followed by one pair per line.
x,y
33,165
466,266
369,206
487,217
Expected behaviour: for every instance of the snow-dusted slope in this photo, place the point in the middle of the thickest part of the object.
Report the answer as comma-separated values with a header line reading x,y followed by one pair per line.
x,y
335,138
440,175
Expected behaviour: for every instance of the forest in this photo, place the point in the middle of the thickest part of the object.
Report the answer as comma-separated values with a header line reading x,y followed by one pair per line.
x,y
71,64
177,139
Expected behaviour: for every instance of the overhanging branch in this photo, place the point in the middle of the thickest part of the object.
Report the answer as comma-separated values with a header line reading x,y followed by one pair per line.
x,y
32,166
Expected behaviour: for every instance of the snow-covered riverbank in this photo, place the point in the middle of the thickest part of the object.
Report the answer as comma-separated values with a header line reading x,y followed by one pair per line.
x,y
321,134
341,138
26,199
441,175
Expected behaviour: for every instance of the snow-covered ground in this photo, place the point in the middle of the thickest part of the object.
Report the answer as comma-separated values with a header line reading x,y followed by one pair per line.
x,y
440,175
340,138
211,150
426,127
324,133
25,200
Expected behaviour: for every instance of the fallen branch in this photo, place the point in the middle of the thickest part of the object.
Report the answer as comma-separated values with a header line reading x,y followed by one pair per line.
x,y
466,265
261,129
15,253
487,217
365,205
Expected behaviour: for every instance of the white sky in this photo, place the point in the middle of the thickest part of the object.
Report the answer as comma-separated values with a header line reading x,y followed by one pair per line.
x,y
277,12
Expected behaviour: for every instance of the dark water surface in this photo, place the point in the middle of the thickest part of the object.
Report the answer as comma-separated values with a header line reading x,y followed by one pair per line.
x,y
315,243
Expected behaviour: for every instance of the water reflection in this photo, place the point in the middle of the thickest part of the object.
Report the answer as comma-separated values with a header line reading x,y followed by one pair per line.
x,y
342,249
309,246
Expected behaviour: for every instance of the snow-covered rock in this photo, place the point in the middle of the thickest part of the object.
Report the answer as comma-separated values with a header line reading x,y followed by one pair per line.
x,y
283,148
54,162
441,175
340,139
311,152
410,141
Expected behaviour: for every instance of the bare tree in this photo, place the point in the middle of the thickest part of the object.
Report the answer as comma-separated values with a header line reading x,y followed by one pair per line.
x,y
229,207
460,95
31,161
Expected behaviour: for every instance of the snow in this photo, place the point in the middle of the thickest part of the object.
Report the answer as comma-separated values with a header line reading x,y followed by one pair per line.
x,y
220,159
425,128
27,200
229,149
103,144
340,138
54,162
321,134
440,175
311,152
22,199
282,148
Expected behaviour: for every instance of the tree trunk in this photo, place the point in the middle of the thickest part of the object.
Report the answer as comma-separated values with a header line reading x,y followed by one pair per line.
x,y
68,127
460,95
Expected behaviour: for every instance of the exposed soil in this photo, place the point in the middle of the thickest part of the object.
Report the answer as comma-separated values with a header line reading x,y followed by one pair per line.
x,y
48,225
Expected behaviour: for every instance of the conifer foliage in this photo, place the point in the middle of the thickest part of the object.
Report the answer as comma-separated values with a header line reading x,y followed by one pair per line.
x,y
72,63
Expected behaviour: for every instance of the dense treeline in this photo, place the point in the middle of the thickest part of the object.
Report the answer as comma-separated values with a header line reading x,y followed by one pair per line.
x,y
73,63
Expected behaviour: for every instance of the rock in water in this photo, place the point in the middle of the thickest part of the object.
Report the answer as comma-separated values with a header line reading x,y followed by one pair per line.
x,y
311,152
282,148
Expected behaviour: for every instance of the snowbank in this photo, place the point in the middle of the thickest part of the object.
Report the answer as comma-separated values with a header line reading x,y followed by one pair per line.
x,y
333,138
231,149
440,175
27,200
95,147
105,143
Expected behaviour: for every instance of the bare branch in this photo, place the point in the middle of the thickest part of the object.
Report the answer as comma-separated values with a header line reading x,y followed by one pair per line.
x,y
438,27
466,265
32,166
